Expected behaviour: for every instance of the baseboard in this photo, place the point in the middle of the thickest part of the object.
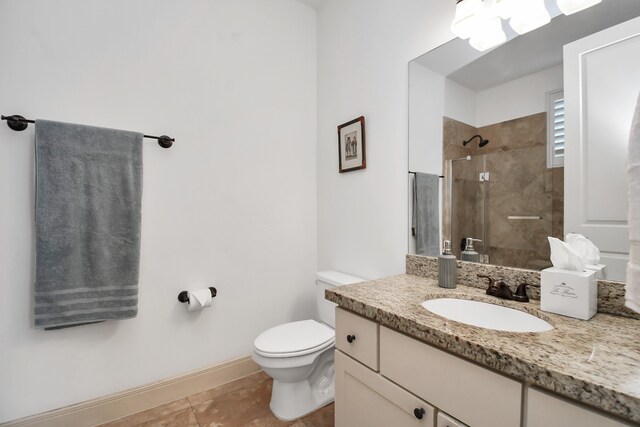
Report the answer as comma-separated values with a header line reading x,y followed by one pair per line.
x,y
109,408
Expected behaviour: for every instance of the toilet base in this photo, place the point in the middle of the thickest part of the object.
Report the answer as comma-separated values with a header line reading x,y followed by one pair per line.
x,y
290,401
295,399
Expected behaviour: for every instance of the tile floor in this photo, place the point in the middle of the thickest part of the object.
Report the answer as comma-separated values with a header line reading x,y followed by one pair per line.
x,y
244,402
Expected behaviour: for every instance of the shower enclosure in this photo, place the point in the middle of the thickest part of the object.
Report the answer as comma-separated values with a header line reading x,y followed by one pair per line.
x,y
506,199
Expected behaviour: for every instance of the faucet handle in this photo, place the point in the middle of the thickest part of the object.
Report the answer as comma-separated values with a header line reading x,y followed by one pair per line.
x,y
490,281
521,293
491,284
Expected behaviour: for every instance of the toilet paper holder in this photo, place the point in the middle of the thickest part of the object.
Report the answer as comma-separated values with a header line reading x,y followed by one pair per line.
x,y
184,295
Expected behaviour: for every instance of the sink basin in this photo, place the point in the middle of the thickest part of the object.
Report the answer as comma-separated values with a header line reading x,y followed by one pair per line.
x,y
485,315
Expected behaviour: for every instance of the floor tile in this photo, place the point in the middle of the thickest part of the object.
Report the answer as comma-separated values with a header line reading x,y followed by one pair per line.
x,y
241,403
184,418
249,380
323,417
150,414
236,408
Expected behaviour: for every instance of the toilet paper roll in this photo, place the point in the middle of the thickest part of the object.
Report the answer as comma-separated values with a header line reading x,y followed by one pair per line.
x,y
199,299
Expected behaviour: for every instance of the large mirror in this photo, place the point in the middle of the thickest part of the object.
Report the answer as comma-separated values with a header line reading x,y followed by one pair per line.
x,y
529,139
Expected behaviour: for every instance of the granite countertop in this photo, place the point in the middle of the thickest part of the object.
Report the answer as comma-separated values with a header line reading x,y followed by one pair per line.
x,y
596,362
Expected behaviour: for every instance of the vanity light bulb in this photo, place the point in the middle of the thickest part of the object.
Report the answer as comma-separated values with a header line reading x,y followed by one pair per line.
x,y
572,6
505,9
531,14
466,20
490,35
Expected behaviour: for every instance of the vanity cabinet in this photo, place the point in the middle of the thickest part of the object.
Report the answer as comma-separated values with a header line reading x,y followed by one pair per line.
x,y
365,398
546,410
470,393
415,384
445,420
357,337
389,379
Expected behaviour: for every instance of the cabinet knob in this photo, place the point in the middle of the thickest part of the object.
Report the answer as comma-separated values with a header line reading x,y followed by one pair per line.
x,y
351,338
418,413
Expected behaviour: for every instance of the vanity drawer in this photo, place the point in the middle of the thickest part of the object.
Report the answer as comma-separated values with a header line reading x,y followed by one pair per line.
x,y
365,398
474,395
357,337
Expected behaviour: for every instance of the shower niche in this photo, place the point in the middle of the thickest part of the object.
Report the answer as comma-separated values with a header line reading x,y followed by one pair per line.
x,y
499,190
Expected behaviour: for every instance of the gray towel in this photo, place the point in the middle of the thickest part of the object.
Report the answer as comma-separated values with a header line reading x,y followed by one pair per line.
x,y
426,214
88,199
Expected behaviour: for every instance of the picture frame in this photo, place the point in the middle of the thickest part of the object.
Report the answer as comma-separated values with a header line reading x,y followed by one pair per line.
x,y
352,146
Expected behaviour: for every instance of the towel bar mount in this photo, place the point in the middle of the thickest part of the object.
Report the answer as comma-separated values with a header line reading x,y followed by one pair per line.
x,y
18,123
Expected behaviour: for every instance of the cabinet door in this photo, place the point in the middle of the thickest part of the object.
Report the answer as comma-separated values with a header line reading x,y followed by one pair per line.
x,y
445,420
601,88
474,395
366,399
545,410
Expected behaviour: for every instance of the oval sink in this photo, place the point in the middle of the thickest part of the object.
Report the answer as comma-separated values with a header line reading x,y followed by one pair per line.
x,y
484,315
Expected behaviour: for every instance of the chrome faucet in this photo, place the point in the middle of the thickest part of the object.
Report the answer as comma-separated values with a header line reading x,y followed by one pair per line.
x,y
500,288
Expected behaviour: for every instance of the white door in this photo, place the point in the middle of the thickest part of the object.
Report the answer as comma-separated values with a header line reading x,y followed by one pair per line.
x,y
601,87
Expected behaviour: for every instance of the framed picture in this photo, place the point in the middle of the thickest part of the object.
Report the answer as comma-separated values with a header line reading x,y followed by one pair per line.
x,y
351,145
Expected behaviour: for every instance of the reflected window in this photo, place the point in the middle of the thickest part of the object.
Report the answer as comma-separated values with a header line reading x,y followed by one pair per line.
x,y
555,126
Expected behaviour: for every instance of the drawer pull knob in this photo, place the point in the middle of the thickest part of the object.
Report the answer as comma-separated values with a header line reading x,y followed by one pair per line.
x,y
419,413
351,338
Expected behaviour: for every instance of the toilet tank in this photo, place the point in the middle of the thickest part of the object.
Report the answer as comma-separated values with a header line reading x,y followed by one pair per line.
x,y
327,280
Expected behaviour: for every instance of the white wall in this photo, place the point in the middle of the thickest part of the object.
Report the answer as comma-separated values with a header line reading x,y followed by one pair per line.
x,y
459,102
232,204
517,98
364,47
426,108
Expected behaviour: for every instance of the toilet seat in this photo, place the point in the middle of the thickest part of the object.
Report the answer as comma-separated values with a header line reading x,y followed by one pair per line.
x,y
294,339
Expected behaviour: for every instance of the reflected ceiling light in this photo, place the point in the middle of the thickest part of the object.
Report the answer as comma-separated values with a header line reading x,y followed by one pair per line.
x,y
572,6
491,35
480,20
505,9
465,22
531,14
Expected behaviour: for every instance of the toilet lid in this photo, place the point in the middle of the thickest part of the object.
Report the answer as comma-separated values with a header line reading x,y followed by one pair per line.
x,y
294,339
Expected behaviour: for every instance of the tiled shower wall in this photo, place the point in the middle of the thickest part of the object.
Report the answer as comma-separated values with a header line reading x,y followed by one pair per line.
x,y
520,184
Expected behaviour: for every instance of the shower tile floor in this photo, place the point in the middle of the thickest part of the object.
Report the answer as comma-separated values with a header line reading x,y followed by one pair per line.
x,y
244,402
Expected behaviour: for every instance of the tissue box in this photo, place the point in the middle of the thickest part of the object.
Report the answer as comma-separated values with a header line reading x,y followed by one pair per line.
x,y
601,272
570,293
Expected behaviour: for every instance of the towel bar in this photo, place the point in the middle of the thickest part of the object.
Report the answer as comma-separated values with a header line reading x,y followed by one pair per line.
x,y
184,295
413,173
524,217
19,123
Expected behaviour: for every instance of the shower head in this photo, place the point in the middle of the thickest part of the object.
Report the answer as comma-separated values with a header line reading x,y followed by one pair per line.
x,y
482,143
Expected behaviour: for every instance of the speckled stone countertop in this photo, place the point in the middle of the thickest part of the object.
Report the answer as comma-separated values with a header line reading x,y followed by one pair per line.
x,y
596,362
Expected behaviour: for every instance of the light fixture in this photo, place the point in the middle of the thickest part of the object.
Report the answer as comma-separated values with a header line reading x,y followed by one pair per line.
x,y
572,6
490,35
505,9
531,14
479,21
466,20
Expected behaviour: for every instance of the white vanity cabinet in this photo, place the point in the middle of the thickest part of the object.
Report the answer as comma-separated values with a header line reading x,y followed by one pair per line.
x,y
546,410
365,398
445,420
414,380
385,378
472,394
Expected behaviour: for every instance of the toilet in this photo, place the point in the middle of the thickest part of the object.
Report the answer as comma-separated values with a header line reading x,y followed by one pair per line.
x,y
299,355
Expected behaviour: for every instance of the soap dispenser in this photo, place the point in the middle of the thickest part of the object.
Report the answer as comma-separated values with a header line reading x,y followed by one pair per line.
x,y
447,267
469,254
